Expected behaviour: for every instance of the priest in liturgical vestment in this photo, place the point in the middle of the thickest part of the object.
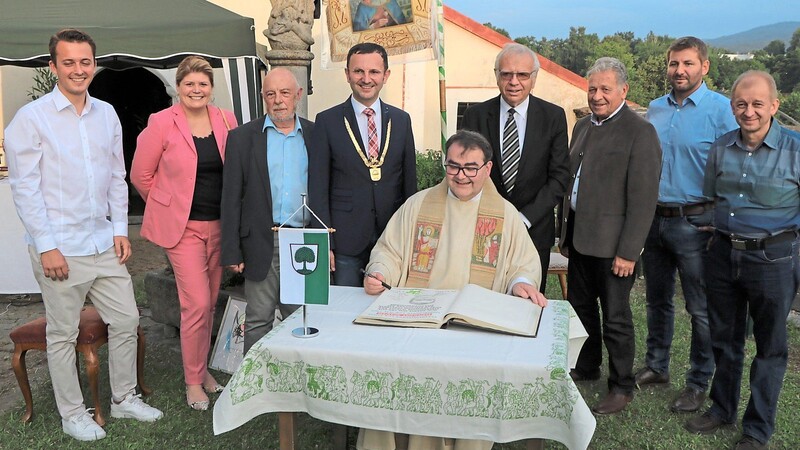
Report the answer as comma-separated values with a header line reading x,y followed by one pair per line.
x,y
458,232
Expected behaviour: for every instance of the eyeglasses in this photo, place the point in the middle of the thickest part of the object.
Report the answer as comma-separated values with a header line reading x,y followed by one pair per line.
x,y
521,76
470,172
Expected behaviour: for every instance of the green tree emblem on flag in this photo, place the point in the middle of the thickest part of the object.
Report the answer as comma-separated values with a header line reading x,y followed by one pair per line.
x,y
304,258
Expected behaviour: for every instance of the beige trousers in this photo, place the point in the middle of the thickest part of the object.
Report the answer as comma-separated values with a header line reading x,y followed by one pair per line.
x,y
384,440
108,285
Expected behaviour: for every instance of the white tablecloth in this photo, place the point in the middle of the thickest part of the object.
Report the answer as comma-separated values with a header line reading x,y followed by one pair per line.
x,y
16,275
457,382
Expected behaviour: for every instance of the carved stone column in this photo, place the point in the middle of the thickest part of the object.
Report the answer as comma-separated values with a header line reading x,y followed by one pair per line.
x,y
289,35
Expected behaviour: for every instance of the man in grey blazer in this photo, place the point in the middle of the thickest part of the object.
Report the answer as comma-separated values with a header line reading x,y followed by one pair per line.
x,y
266,170
529,139
615,162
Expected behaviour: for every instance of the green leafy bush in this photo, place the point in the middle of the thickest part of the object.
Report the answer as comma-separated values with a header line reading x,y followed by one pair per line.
x,y
429,169
43,82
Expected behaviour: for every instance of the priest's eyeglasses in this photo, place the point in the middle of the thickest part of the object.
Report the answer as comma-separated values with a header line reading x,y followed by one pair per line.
x,y
508,76
453,169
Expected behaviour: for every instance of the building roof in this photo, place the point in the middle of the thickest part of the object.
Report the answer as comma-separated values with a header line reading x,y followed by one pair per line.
x,y
499,40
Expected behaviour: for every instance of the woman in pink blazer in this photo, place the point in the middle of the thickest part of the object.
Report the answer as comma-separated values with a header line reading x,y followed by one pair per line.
x,y
177,169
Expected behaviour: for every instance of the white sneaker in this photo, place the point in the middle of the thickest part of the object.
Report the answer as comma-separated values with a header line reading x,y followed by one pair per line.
x,y
134,408
82,427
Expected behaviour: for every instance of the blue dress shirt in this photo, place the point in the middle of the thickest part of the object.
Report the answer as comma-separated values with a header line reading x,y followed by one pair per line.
x,y
757,191
287,161
686,133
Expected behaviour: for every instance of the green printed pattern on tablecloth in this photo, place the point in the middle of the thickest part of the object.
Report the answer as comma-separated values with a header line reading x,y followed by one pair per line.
x,y
467,397
559,355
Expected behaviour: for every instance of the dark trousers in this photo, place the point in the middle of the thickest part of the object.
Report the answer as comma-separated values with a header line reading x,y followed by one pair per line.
x,y
675,244
590,278
765,282
348,269
544,259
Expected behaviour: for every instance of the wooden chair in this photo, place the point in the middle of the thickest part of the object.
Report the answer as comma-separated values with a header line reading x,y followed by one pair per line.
x,y
92,335
558,266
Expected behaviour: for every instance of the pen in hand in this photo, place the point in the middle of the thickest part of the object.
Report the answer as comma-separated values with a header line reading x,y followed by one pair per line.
x,y
376,278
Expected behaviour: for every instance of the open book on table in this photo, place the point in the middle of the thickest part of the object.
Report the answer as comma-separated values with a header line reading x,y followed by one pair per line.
x,y
472,306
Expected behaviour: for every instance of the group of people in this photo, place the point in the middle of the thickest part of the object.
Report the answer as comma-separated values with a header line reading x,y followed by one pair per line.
x,y
707,188
703,186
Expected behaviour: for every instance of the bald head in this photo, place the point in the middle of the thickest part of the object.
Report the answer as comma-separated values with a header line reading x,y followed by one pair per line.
x,y
755,76
281,92
280,75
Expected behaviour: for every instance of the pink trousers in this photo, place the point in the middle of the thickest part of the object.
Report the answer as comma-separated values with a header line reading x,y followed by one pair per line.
x,y
196,263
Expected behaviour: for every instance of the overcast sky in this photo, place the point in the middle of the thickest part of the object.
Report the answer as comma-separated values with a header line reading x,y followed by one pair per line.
x,y
706,19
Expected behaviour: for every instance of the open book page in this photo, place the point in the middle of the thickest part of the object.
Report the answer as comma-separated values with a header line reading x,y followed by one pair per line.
x,y
489,309
411,305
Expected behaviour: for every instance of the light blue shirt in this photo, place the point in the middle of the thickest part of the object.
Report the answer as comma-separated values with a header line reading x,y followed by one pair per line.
x,y
757,191
67,175
686,133
287,161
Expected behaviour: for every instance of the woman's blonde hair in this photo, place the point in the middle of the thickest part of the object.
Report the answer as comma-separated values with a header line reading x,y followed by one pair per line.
x,y
192,64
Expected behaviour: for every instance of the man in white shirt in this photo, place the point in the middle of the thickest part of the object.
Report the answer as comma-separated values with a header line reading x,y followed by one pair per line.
x,y
67,177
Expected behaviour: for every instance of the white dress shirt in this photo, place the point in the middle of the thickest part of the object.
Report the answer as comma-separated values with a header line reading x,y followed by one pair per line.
x,y
67,174
520,116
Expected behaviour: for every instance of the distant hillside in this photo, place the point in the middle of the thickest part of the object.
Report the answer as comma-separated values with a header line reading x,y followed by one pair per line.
x,y
756,38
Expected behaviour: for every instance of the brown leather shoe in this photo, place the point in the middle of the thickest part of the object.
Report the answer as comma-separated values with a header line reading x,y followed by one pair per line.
x,y
749,443
690,400
705,423
613,403
648,376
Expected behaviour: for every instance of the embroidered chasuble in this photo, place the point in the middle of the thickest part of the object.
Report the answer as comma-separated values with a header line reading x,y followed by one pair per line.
x,y
482,241
470,242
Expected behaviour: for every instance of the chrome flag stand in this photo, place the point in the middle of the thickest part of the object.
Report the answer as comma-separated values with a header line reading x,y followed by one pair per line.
x,y
308,281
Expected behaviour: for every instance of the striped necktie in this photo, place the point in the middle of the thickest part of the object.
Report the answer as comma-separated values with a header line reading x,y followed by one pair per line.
x,y
372,133
510,161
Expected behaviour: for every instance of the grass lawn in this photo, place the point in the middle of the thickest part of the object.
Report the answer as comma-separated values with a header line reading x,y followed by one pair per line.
x,y
646,424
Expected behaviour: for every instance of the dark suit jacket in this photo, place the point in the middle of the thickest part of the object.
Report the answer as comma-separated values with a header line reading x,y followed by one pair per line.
x,y
340,190
618,187
543,168
247,234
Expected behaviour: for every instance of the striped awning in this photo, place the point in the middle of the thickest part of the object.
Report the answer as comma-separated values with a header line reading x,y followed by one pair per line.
x,y
243,76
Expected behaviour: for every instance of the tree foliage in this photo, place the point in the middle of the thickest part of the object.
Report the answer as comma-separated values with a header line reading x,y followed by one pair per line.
x,y
502,31
305,256
645,59
775,48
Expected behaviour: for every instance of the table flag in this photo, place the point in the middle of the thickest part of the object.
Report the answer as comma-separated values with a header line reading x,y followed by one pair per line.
x,y
305,263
